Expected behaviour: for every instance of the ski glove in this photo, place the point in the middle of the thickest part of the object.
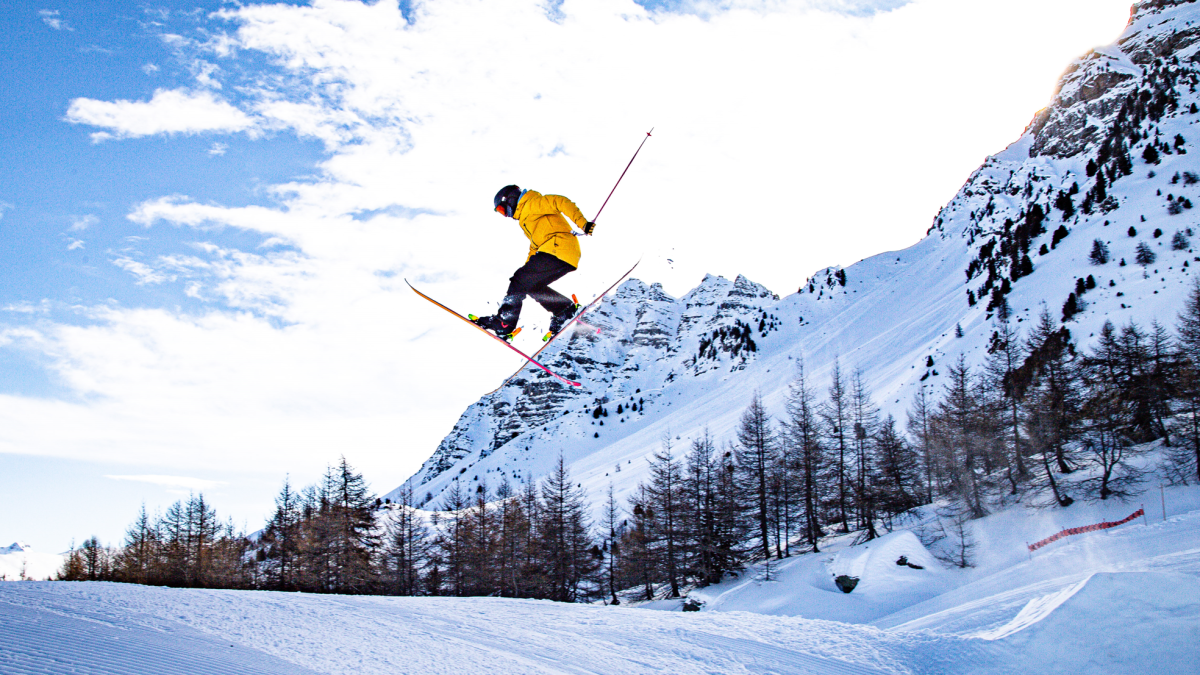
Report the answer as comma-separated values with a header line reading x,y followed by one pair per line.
x,y
587,228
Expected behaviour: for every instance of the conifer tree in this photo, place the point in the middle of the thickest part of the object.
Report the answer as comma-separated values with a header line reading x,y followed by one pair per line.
x,y
1006,393
452,539
480,545
1145,255
637,545
513,526
755,458
960,445
564,538
283,538
1052,390
865,418
73,568
836,414
896,475
714,529
1188,328
1180,242
613,527
919,418
137,561
351,512
803,434
666,496
1117,411
407,546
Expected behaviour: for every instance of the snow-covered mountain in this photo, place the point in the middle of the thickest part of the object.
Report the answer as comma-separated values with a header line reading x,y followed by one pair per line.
x,y
20,561
1020,230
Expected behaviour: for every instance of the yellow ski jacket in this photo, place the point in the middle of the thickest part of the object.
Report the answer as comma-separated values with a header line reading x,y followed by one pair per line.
x,y
541,219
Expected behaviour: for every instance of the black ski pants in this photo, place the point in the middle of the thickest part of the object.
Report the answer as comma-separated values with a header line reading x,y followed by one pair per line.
x,y
534,279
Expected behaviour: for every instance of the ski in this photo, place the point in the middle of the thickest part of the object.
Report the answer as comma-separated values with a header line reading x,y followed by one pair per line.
x,y
575,319
497,338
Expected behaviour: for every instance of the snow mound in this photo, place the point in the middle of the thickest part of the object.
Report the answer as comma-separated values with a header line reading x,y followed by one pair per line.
x,y
16,547
887,564
1112,622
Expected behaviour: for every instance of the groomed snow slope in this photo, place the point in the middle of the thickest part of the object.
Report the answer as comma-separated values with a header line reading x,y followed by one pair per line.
x,y
114,628
1125,600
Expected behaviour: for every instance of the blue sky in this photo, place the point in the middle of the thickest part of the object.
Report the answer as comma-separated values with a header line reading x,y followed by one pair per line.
x,y
209,208
64,211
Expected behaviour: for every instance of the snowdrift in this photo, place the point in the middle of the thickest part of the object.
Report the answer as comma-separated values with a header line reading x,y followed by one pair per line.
x,y
804,585
885,565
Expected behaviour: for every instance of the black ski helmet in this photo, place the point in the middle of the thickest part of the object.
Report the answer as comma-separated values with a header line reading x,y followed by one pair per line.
x,y
507,197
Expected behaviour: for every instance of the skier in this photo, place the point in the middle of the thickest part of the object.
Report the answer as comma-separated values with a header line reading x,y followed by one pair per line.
x,y
553,253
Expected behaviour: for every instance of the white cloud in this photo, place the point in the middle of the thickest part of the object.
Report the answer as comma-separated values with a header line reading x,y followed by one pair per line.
x,y
217,149
26,308
80,223
204,73
169,111
74,244
4,206
52,18
150,69
179,482
143,272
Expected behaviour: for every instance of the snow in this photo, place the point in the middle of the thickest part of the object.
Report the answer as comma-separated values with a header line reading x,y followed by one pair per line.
x,y
1147,622
20,561
804,585
1124,600
54,627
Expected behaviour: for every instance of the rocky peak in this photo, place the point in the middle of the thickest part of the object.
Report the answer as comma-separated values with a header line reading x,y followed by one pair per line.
x,y
1149,59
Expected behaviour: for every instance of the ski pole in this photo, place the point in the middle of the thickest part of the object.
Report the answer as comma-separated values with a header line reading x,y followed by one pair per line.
x,y
610,192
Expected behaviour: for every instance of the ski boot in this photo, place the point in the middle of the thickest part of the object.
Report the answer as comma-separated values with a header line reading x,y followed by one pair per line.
x,y
494,324
559,320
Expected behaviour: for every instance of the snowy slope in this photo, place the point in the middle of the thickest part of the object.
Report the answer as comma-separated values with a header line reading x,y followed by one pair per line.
x,y
895,309
1125,600
55,627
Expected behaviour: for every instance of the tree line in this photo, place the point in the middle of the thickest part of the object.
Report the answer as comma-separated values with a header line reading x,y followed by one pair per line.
x,y
1040,422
